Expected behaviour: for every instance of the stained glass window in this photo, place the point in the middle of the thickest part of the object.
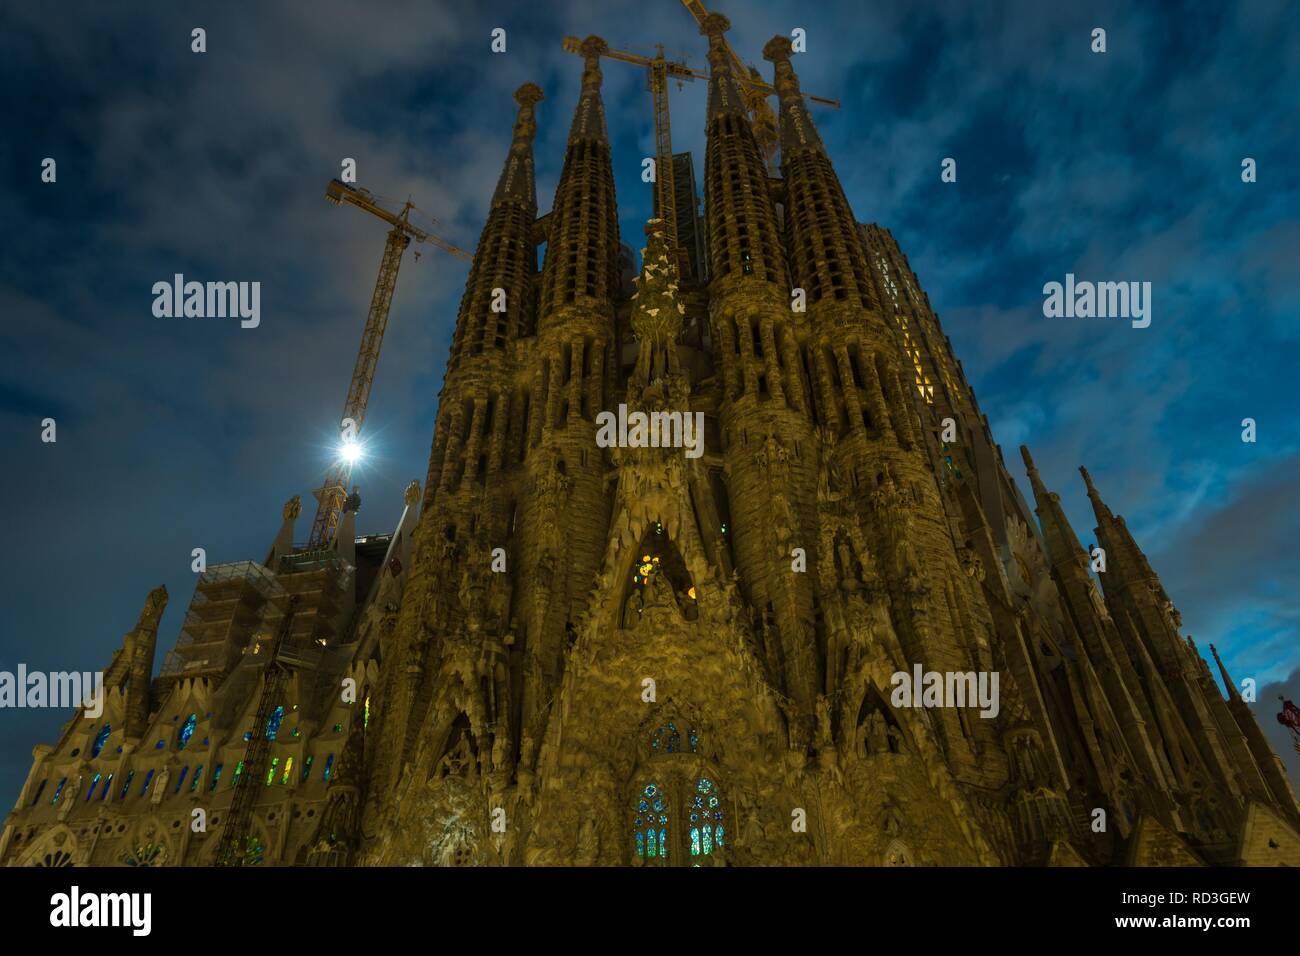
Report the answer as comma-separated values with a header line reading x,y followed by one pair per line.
x,y
198,775
94,782
239,772
667,739
186,731
100,739
216,777
651,823
270,774
329,765
306,767
706,829
288,769
58,791
365,719
108,785
126,787
148,779
273,722
180,780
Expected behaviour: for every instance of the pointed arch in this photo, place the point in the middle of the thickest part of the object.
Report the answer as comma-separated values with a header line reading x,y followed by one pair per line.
x,y
651,823
658,576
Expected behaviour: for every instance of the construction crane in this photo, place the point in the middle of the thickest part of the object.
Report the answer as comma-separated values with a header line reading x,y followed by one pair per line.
x,y
332,494
658,70
755,92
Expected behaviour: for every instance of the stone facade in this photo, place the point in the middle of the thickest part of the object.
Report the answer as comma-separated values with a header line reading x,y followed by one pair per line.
x,y
586,655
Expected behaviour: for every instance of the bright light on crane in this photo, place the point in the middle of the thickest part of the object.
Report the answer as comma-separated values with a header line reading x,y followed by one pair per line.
x,y
351,451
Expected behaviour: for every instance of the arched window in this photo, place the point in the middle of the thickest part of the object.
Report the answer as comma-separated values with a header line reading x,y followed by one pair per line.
x,y
273,722
186,731
667,739
706,829
148,779
100,739
108,785
58,792
94,782
126,787
651,823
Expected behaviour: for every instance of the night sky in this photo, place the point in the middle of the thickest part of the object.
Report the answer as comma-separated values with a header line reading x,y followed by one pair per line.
x,y
183,433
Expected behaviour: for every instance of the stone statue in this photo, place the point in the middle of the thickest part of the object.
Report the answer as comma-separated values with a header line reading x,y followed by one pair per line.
x,y
160,786
292,508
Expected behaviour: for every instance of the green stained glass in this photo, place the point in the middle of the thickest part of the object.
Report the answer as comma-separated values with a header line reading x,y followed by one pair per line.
x,y
270,774
239,772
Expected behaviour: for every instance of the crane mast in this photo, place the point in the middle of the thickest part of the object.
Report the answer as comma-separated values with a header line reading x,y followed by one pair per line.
x,y
332,493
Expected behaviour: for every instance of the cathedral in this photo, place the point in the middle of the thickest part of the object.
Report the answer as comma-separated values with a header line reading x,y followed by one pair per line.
x,y
572,652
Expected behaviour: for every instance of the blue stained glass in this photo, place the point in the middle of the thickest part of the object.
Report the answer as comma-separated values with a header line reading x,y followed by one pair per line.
x,y
59,791
130,775
643,806
108,785
708,840
101,739
160,745
695,841
717,835
329,765
663,842
148,779
186,731
640,842
180,780
273,722
650,843
94,782
198,774
248,735
216,777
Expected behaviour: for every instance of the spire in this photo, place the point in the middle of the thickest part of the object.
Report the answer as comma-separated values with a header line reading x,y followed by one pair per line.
x,y
741,225
1063,546
1223,672
283,543
797,130
724,91
506,256
516,182
589,117
139,645
582,249
1099,508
